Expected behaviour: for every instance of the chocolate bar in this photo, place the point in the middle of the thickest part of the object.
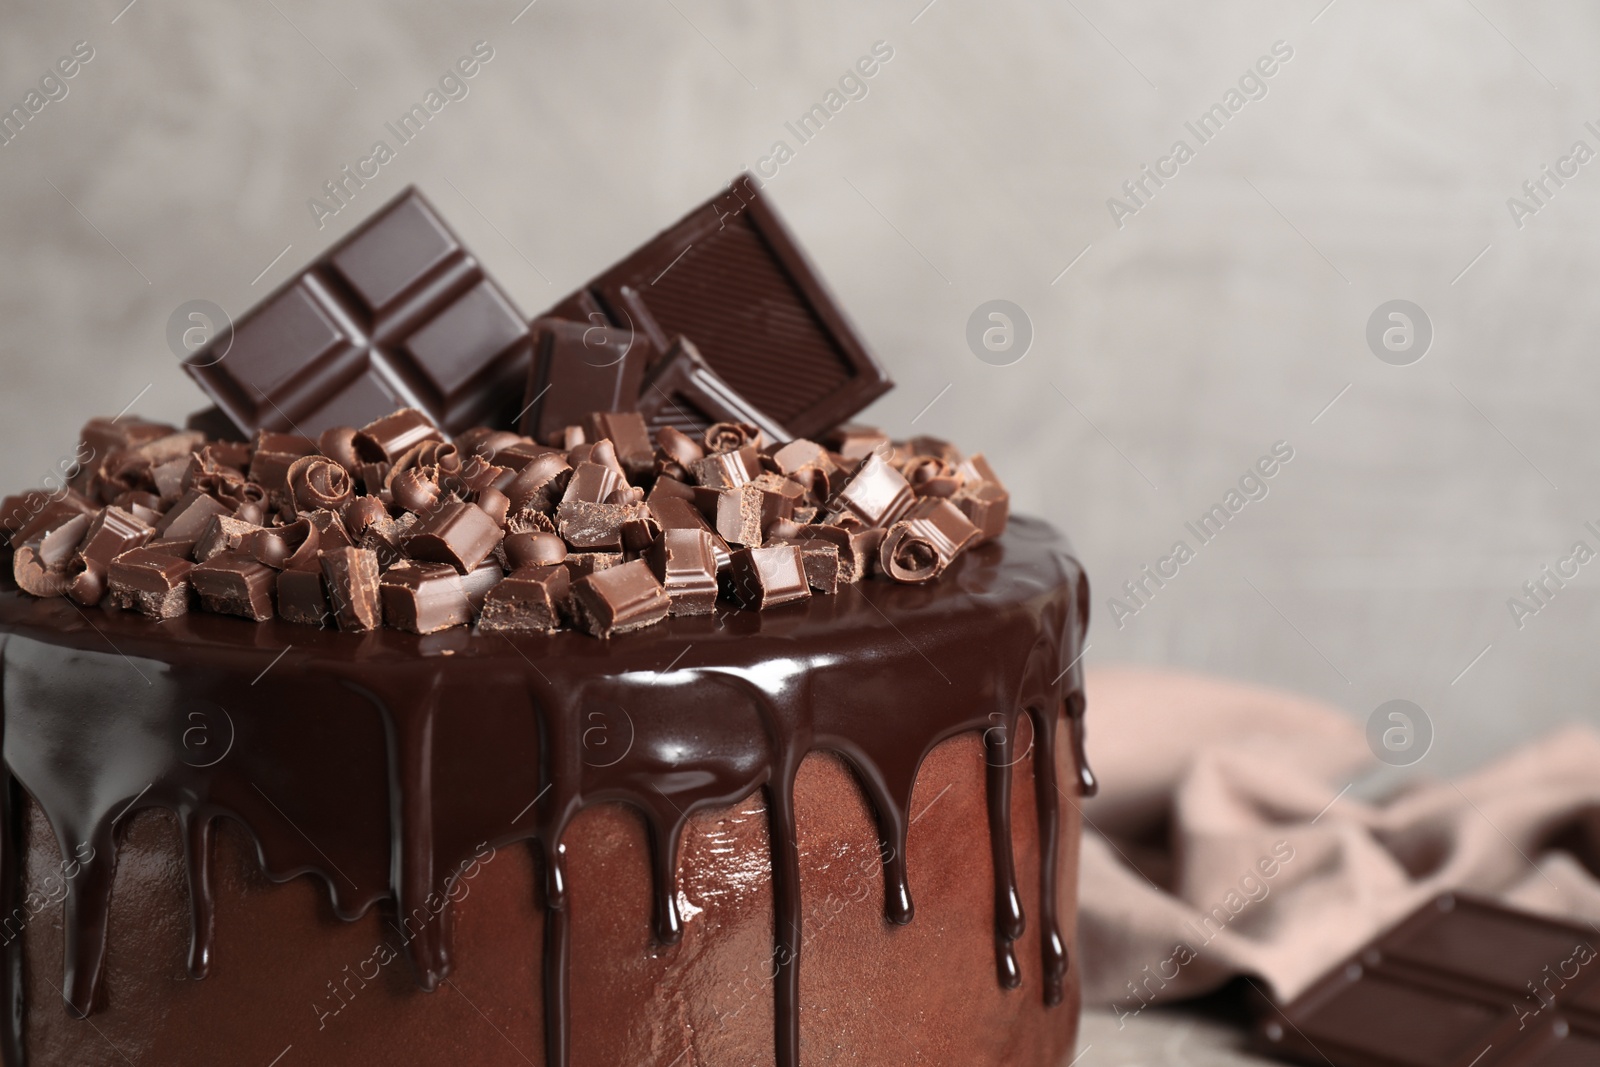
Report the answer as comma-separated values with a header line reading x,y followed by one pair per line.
x,y
683,392
578,368
618,599
1461,982
398,314
730,278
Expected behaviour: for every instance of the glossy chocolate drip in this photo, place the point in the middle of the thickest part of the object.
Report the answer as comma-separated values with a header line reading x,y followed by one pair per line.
x,y
381,763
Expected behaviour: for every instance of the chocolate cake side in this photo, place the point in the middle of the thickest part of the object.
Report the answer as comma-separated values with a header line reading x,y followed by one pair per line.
x,y
399,771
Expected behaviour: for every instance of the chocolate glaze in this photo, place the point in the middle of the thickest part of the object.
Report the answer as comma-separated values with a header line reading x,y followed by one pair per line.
x,y
378,763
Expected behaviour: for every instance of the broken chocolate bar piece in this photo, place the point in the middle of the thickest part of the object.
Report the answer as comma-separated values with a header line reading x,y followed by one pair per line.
x,y
387,439
730,277
534,550
271,456
188,519
684,561
858,548
581,367
874,495
223,535
399,313
235,583
763,578
351,577
683,393
424,598
619,599
922,544
530,600
987,505
457,533
727,470
583,564
302,598
1461,982
587,526
627,433
150,582
821,562
593,483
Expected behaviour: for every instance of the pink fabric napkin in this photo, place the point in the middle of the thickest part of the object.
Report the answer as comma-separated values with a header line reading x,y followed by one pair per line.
x,y
1223,842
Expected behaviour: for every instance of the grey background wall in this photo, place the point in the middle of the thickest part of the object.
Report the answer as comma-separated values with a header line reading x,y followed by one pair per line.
x,y
1226,313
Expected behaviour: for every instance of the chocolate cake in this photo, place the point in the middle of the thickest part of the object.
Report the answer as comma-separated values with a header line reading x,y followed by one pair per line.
x,y
629,739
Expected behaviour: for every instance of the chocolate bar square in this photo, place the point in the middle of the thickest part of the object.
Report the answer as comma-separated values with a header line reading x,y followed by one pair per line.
x,y
578,368
398,314
730,277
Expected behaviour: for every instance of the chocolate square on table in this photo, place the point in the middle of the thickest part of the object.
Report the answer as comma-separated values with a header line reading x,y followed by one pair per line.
x,y
730,277
398,314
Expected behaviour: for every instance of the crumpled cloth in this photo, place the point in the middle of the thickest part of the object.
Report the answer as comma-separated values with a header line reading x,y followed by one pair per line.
x,y
1224,841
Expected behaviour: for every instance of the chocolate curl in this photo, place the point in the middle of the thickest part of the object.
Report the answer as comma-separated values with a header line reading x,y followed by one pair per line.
x,y
285,548
931,476
676,452
874,495
338,443
488,443
319,482
272,456
495,504
416,489
920,546
732,436
361,513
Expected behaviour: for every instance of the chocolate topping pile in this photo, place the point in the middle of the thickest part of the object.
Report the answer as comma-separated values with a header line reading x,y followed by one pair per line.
x,y
653,475
604,529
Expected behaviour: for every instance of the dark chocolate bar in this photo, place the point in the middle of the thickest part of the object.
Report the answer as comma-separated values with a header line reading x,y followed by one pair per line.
x,y
730,277
1461,982
683,392
398,314
578,368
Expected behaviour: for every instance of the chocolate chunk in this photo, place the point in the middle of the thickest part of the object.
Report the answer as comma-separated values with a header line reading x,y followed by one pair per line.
x,y
684,561
424,598
112,532
457,533
101,437
987,505
627,433
683,392
540,484
392,436
727,470
730,276
291,547
592,482
738,514
596,526
351,575
302,598
319,482
338,443
235,583
534,550
799,455
386,537
224,534
398,313
529,600
858,548
821,562
150,582
675,513
874,495
580,367
272,456
37,578
857,442
619,599
763,578
921,545
1461,982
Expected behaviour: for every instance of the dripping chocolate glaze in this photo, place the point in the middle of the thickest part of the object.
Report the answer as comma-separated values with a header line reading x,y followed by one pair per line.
x,y
402,756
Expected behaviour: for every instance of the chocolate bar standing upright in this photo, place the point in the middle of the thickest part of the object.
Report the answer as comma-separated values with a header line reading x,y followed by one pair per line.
x,y
578,368
1461,982
398,314
730,277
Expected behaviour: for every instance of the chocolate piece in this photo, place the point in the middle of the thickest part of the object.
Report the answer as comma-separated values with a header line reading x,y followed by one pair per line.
x,y
854,441
351,575
627,433
214,423
738,514
395,434
581,367
763,578
397,313
675,513
28,518
302,598
596,526
618,599
987,506
235,583
858,547
224,534
386,537
101,437
330,529
540,484
732,436
272,456
534,550
112,532
684,393
931,476
821,562
291,547
424,598
37,578
319,482
684,561
1461,982
457,533
529,600
730,276
922,544
727,470
799,455
338,443
592,482
583,564
150,582
874,495
416,490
